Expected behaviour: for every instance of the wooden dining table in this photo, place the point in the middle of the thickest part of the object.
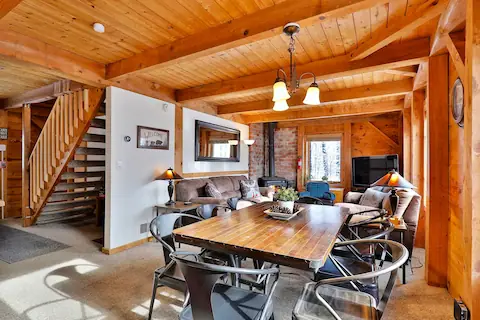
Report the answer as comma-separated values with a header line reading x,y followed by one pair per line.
x,y
303,242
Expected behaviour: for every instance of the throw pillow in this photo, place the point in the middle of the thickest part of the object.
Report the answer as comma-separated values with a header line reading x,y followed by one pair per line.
x,y
372,198
249,189
404,199
212,191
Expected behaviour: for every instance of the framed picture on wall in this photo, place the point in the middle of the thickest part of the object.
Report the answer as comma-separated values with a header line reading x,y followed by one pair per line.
x,y
152,138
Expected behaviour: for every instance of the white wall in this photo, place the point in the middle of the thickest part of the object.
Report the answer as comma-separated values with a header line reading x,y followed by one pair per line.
x,y
189,163
131,191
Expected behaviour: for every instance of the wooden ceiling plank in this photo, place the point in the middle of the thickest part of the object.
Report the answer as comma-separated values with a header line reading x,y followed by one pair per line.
x,y
326,112
393,56
352,94
452,17
7,5
250,28
397,29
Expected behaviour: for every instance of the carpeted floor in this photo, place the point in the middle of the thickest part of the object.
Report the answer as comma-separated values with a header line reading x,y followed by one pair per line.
x,y
80,283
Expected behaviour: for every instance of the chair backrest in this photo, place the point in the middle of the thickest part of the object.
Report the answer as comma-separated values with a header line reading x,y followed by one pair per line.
x,y
206,211
201,278
162,227
317,188
399,257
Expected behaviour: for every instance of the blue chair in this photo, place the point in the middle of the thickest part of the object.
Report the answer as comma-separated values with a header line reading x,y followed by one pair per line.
x,y
318,189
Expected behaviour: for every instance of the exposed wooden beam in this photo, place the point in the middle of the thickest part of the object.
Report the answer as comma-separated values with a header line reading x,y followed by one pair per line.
x,y
7,5
452,17
407,143
250,28
339,120
56,61
393,56
146,87
385,89
44,93
326,112
398,29
456,57
410,71
26,150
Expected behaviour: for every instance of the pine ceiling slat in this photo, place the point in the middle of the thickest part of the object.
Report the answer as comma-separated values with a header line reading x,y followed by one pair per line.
x,y
346,26
334,37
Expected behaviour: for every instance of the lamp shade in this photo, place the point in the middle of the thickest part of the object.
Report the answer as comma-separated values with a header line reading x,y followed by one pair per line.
x,y
394,180
313,95
249,142
280,91
280,105
169,174
233,142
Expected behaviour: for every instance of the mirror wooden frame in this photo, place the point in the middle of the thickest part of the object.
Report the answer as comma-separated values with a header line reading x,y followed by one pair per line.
x,y
202,124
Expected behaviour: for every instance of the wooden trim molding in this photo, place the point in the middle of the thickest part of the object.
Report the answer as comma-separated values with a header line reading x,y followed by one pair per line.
x,y
127,246
213,174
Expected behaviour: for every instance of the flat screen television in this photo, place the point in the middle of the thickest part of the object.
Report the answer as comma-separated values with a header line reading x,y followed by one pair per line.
x,y
367,170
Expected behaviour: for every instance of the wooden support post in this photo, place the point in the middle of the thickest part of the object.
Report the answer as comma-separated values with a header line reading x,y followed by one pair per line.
x,y
347,156
26,148
436,240
471,187
417,158
407,149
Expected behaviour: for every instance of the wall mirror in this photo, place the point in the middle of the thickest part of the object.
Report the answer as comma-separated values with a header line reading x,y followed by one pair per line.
x,y
216,143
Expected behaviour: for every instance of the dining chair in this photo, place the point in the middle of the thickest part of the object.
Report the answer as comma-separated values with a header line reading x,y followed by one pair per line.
x,y
209,299
325,299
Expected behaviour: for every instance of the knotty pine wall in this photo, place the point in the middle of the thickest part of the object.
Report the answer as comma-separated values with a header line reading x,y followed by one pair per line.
x,y
362,136
456,252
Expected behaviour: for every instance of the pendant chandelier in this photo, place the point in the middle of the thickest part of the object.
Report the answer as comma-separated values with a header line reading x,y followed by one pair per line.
x,y
284,88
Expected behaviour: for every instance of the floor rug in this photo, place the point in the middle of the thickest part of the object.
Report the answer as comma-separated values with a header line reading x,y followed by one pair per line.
x,y
17,245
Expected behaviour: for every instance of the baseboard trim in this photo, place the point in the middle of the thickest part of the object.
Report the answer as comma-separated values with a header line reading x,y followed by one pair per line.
x,y
213,174
127,246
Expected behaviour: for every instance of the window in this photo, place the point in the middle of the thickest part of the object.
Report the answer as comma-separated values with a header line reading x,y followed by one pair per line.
x,y
324,158
221,150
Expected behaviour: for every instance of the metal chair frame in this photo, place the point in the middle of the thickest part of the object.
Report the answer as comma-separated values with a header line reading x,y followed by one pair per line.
x,y
202,277
399,256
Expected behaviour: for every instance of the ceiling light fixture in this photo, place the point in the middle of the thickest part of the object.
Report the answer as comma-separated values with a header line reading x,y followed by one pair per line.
x,y
283,89
98,27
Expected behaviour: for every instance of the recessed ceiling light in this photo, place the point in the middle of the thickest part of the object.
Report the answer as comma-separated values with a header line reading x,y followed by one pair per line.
x,y
98,27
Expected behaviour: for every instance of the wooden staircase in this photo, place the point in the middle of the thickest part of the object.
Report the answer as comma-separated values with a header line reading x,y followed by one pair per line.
x,y
66,175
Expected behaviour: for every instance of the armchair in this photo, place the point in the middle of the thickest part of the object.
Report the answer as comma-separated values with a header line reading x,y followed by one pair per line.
x,y
318,189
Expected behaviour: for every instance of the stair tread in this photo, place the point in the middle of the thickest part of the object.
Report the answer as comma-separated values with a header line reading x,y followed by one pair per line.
x,y
92,137
79,175
98,123
86,163
65,214
90,151
77,185
73,202
58,196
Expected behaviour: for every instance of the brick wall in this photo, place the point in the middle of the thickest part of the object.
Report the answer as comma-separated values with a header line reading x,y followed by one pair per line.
x,y
285,152
257,157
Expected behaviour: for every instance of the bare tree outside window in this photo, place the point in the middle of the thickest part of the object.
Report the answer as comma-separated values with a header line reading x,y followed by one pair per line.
x,y
325,160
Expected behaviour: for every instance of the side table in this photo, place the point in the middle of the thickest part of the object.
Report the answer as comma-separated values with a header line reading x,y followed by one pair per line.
x,y
178,207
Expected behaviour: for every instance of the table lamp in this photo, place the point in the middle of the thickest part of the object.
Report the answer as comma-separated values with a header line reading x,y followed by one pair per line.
x,y
393,180
170,175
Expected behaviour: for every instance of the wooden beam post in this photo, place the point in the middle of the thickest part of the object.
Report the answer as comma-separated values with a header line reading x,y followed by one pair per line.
x,y
407,149
179,139
471,187
417,158
347,156
26,149
301,156
436,240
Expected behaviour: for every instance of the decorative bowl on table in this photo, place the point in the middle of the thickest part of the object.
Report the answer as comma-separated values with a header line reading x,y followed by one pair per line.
x,y
282,213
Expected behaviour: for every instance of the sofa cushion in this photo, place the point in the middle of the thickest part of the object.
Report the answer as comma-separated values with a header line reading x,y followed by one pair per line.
x,y
212,191
208,200
231,194
187,189
356,208
372,198
250,189
353,197
236,181
223,184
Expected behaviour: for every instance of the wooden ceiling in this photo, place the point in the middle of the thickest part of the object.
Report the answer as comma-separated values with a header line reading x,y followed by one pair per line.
x,y
185,50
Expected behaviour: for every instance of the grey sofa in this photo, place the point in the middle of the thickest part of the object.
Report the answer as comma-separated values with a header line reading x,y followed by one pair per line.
x,y
229,186
410,212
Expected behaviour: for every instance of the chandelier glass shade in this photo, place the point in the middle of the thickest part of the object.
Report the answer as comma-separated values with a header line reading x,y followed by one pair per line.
x,y
285,87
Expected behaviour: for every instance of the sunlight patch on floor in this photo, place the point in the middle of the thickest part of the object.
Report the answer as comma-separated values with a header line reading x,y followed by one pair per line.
x,y
35,294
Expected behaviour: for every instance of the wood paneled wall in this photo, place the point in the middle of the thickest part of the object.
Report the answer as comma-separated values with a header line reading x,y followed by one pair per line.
x,y
362,136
